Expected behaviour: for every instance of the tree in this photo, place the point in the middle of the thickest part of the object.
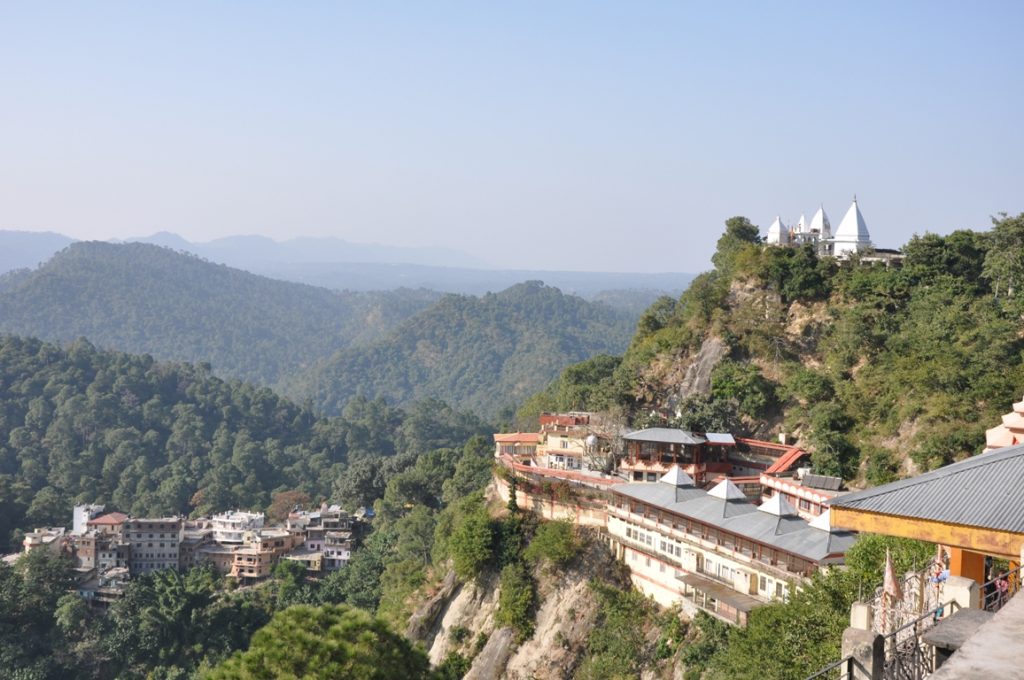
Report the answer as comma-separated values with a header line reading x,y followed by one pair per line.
x,y
472,537
739,233
1004,262
330,641
283,502
554,542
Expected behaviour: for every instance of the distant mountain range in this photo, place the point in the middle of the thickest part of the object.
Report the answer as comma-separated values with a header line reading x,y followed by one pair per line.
x,y
337,264
480,353
247,251
141,298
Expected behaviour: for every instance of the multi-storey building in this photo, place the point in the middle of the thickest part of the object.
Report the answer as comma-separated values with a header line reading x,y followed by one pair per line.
x,y
652,452
154,543
231,526
327,531
715,550
46,538
337,549
81,515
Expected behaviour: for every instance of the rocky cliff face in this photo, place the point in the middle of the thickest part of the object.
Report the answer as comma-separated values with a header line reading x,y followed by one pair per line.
x,y
460,618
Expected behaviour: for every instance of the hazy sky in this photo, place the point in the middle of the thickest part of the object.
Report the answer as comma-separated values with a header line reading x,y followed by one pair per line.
x,y
546,135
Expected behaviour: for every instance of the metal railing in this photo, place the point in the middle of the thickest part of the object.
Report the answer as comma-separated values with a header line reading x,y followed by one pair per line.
x,y
907,656
837,670
998,591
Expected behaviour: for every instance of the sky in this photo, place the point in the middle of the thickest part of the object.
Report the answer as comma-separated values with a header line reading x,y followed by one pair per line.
x,y
531,135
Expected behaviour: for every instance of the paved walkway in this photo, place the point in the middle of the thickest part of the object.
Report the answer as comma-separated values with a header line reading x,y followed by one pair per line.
x,y
994,652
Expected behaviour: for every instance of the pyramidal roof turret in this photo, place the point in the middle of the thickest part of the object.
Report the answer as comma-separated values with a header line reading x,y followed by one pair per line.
x,y
728,491
853,228
801,225
779,506
820,223
676,477
777,232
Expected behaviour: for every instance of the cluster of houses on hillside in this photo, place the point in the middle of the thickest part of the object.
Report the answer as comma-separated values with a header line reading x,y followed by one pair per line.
x,y
706,520
109,548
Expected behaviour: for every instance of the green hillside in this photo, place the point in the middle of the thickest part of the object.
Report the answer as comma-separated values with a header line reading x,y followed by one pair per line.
x,y
481,354
146,299
80,425
881,371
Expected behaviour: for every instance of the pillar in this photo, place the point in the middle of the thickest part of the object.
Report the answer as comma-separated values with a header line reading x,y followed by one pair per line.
x,y
868,652
967,564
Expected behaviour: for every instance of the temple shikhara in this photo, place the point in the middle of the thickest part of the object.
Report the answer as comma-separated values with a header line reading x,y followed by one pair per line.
x,y
850,237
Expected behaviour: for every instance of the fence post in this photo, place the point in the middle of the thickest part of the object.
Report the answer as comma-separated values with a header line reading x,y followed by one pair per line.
x,y
861,615
867,650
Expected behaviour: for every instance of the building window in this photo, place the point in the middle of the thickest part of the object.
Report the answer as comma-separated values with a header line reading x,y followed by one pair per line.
x,y
764,584
564,443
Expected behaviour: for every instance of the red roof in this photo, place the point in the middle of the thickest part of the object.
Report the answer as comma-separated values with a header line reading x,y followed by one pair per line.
x,y
518,438
109,519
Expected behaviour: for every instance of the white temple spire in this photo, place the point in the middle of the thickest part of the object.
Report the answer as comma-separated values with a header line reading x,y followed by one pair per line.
x,y
777,233
852,235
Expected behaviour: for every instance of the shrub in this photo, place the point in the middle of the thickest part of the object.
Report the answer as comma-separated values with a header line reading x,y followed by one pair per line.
x,y
554,542
516,600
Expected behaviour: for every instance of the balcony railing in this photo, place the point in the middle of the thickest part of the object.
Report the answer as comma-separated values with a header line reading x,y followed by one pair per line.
x,y
684,537
999,590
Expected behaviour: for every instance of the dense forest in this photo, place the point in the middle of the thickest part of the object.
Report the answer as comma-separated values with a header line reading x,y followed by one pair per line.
x,y
151,438
482,354
145,299
879,370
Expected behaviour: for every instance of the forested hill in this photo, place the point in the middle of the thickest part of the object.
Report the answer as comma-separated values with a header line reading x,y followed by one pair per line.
x,y
482,354
880,371
146,299
80,425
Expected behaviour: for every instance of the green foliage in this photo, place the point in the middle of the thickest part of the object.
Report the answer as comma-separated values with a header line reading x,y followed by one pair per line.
x,y
808,386
144,299
787,641
706,637
740,234
554,543
1004,260
586,386
795,273
155,439
744,383
453,667
471,541
29,595
617,646
331,641
480,354
516,600
866,558
702,413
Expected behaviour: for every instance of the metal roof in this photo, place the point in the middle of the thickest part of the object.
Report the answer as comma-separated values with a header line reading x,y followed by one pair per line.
x,y
740,517
983,491
720,438
667,435
822,482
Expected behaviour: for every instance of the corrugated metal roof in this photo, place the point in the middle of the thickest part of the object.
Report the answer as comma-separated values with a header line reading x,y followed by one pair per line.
x,y
823,482
740,517
667,435
983,491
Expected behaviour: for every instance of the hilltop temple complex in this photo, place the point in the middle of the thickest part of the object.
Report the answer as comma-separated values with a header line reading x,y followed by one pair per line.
x,y
850,237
